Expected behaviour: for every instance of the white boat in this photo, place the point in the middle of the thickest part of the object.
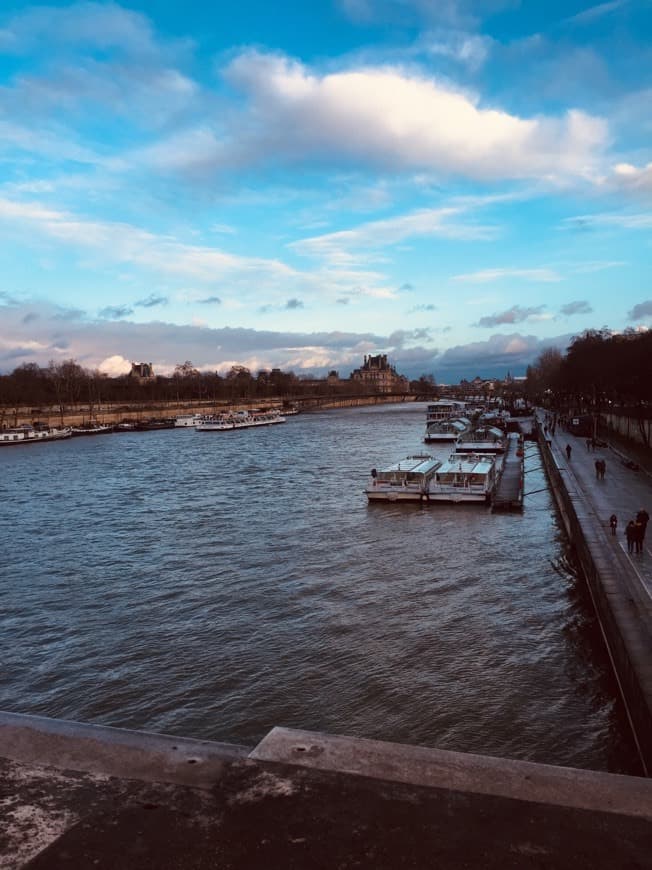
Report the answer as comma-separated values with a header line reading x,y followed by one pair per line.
x,y
465,477
407,480
188,420
482,439
91,429
446,430
444,409
28,434
239,420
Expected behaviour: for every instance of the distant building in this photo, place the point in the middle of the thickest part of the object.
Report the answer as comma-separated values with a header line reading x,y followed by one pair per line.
x,y
142,372
379,376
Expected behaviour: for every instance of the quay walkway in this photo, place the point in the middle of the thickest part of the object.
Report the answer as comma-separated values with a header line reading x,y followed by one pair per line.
x,y
508,494
620,582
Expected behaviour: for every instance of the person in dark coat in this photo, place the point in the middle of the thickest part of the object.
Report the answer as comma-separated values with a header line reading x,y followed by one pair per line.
x,y
568,451
643,518
597,468
630,534
639,534
613,523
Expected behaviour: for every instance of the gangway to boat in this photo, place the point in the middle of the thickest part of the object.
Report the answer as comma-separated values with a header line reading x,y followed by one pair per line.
x,y
508,492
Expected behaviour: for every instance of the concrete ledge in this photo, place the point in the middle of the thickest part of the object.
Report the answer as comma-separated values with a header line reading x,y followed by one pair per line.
x,y
479,774
114,752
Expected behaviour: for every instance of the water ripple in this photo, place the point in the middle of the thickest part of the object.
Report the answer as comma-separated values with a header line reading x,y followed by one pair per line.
x,y
216,586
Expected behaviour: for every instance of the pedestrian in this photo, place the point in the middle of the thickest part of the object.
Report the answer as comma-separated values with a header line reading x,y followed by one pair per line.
x,y
602,467
639,534
568,451
643,518
613,523
630,534
593,444
597,468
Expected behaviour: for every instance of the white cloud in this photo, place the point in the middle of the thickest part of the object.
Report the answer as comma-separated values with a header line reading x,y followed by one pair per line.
x,y
343,247
244,277
397,120
114,366
632,178
508,351
409,12
86,24
595,12
596,266
484,276
469,49
59,333
125,243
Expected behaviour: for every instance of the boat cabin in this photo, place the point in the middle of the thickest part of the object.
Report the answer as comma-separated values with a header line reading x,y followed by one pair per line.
x,y
413,469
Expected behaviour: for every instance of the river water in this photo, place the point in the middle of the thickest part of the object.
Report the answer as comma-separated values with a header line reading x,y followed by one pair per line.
x,y
217,584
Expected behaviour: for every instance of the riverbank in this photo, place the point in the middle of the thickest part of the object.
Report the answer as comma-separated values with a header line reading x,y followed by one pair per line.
x,y
116,413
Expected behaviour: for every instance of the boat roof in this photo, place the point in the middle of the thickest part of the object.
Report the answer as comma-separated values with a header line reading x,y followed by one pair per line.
x,y
459,424
470,463
421,463
483,432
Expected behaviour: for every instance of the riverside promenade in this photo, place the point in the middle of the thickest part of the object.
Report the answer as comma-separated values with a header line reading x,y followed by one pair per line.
x,y
620,583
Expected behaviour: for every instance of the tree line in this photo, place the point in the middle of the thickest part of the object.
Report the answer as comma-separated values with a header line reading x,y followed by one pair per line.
x,y
68,384
600,371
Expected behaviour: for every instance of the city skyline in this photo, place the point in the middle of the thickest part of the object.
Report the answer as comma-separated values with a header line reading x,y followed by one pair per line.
x,y
458,185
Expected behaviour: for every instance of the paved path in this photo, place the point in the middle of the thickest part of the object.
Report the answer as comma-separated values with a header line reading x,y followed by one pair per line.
x,y
622,492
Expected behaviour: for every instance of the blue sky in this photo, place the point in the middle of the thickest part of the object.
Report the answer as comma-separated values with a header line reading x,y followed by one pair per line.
x,y
457,184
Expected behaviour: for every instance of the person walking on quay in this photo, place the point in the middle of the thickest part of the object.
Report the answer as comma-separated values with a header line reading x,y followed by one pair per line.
x,y
613,523
639,534
597,468
643,518
603,468
568,451
630,534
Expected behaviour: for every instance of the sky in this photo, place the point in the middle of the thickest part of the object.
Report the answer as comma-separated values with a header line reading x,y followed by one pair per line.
x,y
457,184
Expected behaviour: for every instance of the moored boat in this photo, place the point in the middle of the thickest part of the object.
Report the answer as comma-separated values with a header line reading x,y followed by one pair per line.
x,y
154,423
27,434
445,409
465,477
185,421
482,439
91,429
239,420
446,430
407,480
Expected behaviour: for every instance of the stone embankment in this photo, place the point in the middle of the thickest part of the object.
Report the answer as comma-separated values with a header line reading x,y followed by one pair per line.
x,y
619,582
115,413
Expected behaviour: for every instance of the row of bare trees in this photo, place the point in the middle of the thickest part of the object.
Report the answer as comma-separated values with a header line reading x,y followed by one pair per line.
x,y
67,384
599,371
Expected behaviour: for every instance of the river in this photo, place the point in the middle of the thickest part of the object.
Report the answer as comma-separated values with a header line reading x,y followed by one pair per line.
x,y
214,585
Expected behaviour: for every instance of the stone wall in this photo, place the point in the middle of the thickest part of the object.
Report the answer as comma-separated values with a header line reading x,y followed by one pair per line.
x,y
630,427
